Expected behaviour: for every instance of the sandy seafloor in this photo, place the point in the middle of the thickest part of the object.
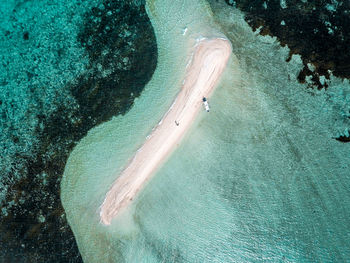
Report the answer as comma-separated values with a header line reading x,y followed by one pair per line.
x,y
260,178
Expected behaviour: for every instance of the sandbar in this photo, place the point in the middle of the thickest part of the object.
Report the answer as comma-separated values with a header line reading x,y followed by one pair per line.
x,y
202,75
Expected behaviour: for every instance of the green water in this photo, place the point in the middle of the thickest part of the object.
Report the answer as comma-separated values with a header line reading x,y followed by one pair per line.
x,y
257,179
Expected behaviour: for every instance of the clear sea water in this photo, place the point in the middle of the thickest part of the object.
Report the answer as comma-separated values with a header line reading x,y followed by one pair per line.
x,y
259,179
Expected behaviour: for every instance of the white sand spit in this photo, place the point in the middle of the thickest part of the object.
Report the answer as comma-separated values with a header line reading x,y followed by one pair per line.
x,y
208,62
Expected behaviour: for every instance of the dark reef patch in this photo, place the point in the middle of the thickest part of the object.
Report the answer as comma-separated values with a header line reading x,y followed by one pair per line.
x,y
120,42
318,30
122,51
26,35
343,138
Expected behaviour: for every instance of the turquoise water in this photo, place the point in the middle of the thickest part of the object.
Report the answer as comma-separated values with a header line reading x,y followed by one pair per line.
x,y
258,179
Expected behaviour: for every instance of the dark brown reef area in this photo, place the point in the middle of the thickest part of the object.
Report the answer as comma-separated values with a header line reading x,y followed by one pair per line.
x,y
317,30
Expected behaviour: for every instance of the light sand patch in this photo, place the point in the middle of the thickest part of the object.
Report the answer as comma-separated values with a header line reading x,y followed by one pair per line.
x,y
208,63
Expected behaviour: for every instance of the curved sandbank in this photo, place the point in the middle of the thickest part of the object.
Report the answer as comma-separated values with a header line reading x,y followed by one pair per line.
x,y
203,72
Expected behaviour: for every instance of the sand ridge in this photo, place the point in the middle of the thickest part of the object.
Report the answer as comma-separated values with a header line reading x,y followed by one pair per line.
x,y
203,72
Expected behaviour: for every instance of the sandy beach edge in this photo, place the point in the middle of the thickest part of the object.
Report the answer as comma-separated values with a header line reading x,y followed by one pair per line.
x,y
204,70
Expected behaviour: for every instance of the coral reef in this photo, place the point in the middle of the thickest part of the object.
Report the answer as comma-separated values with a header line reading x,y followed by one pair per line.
x,y
64,70
317,30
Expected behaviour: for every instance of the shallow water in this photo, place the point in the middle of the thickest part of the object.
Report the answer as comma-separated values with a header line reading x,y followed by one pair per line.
x,y
259,178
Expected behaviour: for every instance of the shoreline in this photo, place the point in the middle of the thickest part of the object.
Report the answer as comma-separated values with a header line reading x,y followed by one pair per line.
x,y
204,70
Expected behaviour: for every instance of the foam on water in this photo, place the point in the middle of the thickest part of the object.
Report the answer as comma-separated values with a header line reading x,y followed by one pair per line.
x,y
258,179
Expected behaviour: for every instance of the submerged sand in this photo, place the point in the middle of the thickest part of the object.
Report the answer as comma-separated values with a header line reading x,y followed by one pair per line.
x,y
208,62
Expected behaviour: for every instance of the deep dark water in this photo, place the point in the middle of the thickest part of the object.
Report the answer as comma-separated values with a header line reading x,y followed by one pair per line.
x,y
121,47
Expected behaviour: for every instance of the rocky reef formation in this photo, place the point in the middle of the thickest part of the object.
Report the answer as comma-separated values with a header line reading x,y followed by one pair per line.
x,y
317,30
117,57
